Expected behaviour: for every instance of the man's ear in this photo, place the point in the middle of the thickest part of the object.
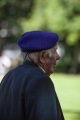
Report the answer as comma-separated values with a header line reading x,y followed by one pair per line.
x,y
42,56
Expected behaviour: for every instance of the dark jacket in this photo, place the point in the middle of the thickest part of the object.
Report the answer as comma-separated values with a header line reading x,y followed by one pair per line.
x,y
27,93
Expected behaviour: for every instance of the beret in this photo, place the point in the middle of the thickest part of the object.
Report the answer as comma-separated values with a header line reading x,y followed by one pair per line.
x,y
33,41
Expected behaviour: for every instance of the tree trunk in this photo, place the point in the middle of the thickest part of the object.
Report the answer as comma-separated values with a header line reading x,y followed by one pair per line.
x,y
75,61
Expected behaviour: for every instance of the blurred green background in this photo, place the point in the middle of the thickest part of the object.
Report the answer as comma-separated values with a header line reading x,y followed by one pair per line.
x,y
60,16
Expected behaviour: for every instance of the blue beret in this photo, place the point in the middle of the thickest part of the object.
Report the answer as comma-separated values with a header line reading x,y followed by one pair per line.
x,y
37,41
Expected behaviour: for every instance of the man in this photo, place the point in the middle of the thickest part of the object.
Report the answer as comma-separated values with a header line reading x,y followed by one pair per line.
x,y
27,92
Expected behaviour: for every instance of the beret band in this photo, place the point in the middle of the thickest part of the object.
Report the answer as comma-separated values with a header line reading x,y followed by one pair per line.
x,y
37,41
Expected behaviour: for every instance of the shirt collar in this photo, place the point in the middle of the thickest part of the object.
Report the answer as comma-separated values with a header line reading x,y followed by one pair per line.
x,y
42,69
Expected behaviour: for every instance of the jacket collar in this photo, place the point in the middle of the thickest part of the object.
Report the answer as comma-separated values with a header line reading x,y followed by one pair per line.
x,y
32,63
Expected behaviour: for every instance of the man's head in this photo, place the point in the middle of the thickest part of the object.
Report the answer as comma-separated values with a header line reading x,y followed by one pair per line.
x,y
48,59
41,48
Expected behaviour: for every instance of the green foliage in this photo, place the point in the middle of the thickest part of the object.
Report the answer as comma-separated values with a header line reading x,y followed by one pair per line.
x,y
54,15
72,38
61,16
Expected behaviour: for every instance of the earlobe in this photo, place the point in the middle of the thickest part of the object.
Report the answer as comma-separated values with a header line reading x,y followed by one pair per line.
x,y
43,60
42,57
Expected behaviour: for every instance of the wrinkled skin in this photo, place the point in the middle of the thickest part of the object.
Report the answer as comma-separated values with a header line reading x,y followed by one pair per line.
x,y
48,62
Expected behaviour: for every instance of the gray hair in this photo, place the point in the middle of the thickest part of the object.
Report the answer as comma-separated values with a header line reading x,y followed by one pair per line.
x,y
48,52
34,56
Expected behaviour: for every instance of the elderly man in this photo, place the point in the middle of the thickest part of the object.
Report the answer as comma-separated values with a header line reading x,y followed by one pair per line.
x,y
27,92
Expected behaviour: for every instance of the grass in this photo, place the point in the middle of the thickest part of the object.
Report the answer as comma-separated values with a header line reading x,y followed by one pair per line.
x,y
68,91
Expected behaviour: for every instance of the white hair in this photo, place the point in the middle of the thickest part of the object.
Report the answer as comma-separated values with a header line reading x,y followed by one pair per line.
x,y
34,56
28,56
49,52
